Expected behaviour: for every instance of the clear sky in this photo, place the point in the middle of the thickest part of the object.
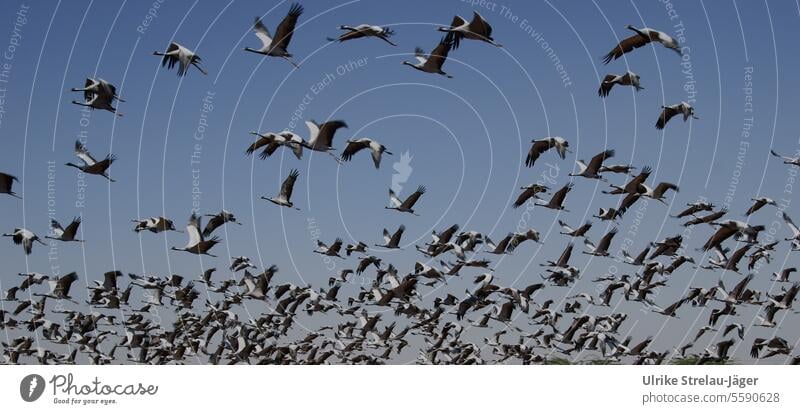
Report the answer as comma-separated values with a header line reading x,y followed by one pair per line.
x,y
180,144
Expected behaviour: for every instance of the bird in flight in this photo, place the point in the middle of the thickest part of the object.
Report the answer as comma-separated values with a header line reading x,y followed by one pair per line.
x,y
627,79
25,238
91,165
433,62
407,205
477,29
392,241
65,234
197,244
182,56
272,141
376,149
379,306
278,45
642,37
787,160
539,146
320,136
284,198
364,30
217,220
98,94
154,225
670,111
530,191
6,184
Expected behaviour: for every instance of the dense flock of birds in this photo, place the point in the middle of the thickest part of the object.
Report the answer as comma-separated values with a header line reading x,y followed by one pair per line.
x,y
514,325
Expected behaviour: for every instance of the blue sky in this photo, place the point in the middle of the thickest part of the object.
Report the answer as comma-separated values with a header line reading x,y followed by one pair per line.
x,y
468,135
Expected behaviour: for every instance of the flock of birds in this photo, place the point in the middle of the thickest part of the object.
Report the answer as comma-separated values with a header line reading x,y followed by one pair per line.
x,y
210,325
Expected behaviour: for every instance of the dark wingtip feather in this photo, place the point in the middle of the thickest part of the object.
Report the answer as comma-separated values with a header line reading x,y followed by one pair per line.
x,y
296,10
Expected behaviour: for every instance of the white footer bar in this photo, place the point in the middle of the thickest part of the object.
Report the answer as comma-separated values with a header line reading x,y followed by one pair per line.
x,y
397,389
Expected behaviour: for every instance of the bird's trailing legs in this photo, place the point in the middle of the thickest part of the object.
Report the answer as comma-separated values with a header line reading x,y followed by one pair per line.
x,y
113,110
203,71
296,66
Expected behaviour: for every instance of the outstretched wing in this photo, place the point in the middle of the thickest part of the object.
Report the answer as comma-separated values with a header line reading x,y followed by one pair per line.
x,y
716,239
395,241
480,26
6,182
662,188
456,36
262,33
606,85
101,166
605,242
790,223
665,116
89,85
285,30
327,130
56,226
412,199
352,148
627,202
537,148
633,185
170,59
597,161
528,193
738,290
439,54
625,46
83,153
213,224
63,285
193,230
108,89
394,200
757,205
262,140
288,185
72,229
560,195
